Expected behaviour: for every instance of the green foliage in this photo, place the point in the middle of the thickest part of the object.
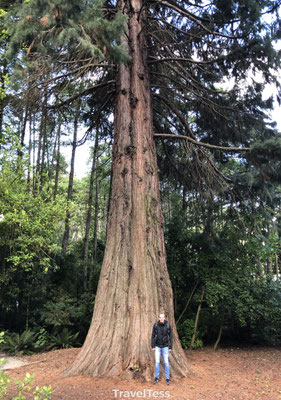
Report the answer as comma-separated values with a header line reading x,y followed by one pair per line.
x,y
22,343
70,26
185,331
2,340
24,389
63,340
30,231
58,311
24,386
43,393
18,344
4,380
62,310
29,222
231,263
42,340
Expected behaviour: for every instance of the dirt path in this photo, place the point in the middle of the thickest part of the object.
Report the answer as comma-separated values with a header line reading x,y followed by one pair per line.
x,y
227,374
12,362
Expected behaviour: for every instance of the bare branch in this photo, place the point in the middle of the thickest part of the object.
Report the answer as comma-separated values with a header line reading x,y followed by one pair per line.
x,y
182,59
207,145
86,91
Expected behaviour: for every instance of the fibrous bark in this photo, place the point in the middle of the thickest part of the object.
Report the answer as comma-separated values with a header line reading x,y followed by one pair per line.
x,y
134,282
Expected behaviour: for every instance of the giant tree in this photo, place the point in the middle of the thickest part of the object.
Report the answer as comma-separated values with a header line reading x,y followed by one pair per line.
x,y
162,74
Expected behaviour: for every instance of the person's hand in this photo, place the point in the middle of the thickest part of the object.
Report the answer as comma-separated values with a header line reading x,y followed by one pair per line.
x,y
170,349
153,348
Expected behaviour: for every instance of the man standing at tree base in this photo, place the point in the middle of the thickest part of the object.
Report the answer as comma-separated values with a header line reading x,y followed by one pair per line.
x,y
162,342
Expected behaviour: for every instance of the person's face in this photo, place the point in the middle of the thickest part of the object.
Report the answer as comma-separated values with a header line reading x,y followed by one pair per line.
x,y
161,318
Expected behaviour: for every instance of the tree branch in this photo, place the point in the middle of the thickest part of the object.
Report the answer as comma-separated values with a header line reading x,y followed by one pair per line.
x,y
196,19
86,91
182,59
207,145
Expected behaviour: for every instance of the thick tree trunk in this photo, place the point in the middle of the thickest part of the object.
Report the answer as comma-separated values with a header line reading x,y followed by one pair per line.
x,y
134,282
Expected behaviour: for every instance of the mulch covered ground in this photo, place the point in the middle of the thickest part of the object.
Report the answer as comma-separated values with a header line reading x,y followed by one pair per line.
x,y
227,374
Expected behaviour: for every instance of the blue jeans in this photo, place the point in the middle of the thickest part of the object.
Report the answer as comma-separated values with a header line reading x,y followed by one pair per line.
x,y
165,353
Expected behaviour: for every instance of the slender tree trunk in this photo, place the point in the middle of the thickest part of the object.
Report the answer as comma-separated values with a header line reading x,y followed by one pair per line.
x,y
3,101
197,317
96,226
219,336
66,234
44,147
134,282
29,151
26,114
269,268
22,132
184,202
55,150
51,166
41,135
27,313
188,302
2,106
89,214
33,155
58,162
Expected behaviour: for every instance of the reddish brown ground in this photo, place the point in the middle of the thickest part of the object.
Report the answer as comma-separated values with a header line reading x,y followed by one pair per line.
x,y
227,374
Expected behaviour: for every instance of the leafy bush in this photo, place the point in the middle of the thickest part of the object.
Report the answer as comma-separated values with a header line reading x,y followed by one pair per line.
x,y
42,340
18,344
4,380
185,331
2,340
24,388
63,340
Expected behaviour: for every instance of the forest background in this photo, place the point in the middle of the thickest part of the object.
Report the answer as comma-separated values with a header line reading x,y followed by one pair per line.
x,y
222,228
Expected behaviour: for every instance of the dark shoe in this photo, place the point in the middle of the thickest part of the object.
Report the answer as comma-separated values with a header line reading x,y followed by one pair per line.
x,y
156,380
168,381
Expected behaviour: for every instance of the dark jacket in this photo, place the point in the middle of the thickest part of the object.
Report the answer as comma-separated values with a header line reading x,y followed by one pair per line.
x,y
162,335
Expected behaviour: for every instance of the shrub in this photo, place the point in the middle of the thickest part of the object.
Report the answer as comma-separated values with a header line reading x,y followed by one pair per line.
x,y
4,380
63,340
18,344
42,340
185,331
